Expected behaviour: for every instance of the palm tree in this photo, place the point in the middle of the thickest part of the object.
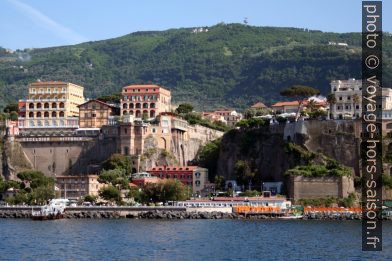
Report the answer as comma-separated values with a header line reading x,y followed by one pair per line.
x,y
331,99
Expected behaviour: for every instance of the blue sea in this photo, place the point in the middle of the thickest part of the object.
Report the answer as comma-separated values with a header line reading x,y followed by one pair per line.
x,y
129,239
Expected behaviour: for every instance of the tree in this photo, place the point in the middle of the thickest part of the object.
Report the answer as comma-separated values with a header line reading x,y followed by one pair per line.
x,y
219,183
118,161
243,172
331,99
14,116
90,198
165,190
299,92
12,107
110,193
184,108
35,179
208,156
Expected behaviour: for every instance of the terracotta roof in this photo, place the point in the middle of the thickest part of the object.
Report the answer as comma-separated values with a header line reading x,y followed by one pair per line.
x,y
95,100
285,103
295,103
48,82
173,168
259,105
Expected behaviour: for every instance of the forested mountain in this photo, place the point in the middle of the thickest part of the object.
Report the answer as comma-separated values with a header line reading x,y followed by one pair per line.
x,y
229,65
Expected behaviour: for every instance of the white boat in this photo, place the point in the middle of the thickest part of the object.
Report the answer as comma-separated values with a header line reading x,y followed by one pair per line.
x,y
292,217
54,210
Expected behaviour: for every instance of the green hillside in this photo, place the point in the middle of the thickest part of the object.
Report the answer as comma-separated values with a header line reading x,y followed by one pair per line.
x,y
230,65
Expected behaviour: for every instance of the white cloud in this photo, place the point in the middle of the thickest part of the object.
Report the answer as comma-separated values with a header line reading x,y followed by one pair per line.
x,y
39,18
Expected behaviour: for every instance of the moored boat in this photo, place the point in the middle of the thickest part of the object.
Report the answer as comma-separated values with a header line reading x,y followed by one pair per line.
x,y
54,210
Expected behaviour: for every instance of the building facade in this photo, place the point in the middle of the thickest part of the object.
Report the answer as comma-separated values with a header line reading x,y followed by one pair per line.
x,y
95,114
51,105
145,101
76,187
194,176
348,95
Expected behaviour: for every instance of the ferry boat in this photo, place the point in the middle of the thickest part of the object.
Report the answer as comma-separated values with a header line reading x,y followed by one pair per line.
x,y
54,210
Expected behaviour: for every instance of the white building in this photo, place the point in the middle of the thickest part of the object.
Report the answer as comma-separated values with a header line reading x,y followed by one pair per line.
x,y
346,106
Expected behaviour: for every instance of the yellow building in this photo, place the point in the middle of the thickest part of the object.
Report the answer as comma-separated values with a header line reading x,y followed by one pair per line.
x,y
75,187
51,104
145,100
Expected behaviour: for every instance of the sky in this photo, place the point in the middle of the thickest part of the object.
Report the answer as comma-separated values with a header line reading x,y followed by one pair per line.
x,y
47,23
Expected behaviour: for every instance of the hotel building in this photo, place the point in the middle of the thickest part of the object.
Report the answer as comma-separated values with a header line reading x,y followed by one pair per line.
x,y
145,100
75,187
51,105
347,106
194,176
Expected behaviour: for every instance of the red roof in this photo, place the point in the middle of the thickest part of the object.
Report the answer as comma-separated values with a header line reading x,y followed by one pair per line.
x,y
258,105
285,103
95,100
173,168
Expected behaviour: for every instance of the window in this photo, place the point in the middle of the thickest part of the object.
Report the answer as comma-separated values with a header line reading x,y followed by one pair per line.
x,y
197,174
93,115
340,98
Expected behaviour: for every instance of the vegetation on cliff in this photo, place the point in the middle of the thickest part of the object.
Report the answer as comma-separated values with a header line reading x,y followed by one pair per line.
x,y
329,201
230,65
33,188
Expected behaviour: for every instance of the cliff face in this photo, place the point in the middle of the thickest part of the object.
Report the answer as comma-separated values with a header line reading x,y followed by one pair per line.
x,y
269,154
13,159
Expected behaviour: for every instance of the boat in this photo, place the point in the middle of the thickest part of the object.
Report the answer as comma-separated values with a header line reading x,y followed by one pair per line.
x,y
292,217
54,210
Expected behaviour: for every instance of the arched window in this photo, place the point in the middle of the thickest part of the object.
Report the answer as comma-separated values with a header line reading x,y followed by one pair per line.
x,y
131,112
39,114
61,104
39,105
138,105
54,114
61,114
152,105
138,114
125,106
125,112
31,114
46,114
31,106
46,105
54,105
152,114
131,106
145,105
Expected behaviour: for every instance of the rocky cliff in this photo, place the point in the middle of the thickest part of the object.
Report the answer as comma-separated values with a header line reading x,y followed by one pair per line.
x,y
268,151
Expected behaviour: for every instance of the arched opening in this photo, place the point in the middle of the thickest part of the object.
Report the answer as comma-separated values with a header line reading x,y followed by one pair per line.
x,y
46,114
152,105
39,105
131,106
54,105
289,138
61,114
152,114
125,106
39,115
31,106
46,105
164,143
31,114
54,114
125,112
138,105
145,105
145,114
131,112
138,114
61,105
